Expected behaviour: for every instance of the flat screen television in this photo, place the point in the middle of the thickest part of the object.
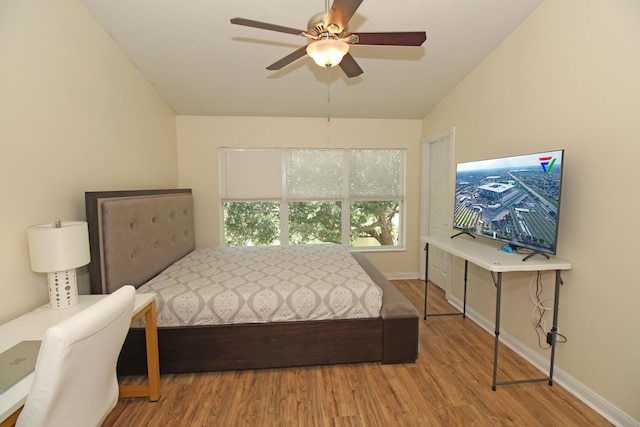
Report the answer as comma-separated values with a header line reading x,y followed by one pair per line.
x,y
514,199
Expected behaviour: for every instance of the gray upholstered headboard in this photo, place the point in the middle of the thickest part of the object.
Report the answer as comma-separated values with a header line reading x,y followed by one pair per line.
x,y
134,235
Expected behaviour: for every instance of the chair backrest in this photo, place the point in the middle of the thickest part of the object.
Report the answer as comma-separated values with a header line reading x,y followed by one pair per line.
x,y
75,381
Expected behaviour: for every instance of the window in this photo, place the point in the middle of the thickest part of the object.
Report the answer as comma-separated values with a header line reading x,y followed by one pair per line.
x,y
294,196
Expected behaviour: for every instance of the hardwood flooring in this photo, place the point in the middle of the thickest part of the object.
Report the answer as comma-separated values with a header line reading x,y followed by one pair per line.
x,y
449,385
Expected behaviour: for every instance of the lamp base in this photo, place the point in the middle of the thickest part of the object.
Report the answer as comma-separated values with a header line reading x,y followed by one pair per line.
x,y
63,289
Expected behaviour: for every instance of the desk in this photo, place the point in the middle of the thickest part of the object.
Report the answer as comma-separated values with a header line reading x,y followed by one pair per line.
x,y
32,325
487,255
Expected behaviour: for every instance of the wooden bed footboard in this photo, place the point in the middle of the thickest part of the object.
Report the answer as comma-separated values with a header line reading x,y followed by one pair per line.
x,y
275,345
255,346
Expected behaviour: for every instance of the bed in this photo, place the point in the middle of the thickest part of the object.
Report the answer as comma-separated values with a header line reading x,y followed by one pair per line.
x,y
137,236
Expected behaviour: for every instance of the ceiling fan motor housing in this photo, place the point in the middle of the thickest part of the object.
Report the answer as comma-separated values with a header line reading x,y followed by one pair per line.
x,y
318,27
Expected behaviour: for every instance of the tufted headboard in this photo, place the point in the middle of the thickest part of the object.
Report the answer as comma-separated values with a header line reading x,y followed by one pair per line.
x,y
134,235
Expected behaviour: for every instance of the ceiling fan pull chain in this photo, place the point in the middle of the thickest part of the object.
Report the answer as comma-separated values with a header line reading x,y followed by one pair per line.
x,y
328,96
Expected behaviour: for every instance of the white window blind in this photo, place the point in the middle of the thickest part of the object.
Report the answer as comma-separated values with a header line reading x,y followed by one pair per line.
x,y
376,173
311,174
314,174
250,174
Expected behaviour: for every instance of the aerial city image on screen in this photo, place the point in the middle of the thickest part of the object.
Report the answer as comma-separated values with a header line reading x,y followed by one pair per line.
x,y
513,199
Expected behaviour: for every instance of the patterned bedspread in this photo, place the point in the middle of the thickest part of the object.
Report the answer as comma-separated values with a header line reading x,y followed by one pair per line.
x,y
222,285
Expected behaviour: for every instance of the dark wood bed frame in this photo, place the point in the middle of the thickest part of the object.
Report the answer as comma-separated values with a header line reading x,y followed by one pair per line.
x,y
391,338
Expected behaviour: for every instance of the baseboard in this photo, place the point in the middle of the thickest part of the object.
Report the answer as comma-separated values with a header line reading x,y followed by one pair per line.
x,y
401,276
575,387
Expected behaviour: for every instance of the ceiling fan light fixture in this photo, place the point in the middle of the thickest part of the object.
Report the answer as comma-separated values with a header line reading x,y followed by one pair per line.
x,y
327,52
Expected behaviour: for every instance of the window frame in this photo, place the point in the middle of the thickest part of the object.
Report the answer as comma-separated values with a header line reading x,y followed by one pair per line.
x,y
345,198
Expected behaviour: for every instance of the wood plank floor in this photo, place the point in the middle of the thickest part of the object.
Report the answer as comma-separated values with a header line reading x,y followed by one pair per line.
x,y
449,385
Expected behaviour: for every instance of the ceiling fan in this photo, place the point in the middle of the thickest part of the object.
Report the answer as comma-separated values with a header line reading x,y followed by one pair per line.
x,y
330,38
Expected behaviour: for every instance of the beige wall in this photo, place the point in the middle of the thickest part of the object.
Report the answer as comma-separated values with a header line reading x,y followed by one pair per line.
x,y
568,77
200,137
75,116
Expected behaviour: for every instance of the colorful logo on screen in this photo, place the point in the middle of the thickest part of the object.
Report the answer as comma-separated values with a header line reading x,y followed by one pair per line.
x,y
547,163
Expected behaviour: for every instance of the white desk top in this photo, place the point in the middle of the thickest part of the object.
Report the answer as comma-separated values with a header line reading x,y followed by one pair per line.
x,y
486,253
31,326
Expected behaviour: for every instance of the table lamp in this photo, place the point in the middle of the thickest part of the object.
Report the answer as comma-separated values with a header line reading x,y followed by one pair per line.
x,y
58,249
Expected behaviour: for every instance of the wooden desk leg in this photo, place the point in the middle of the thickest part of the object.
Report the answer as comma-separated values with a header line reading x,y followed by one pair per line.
x,y
153,360
11,420
152,389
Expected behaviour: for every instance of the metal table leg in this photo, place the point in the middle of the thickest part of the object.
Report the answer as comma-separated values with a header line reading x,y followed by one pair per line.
x,y
554,327
426,282
554,330
498,284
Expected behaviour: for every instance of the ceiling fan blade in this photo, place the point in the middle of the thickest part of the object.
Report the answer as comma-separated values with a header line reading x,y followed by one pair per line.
x,y
265,26
288,59
340,13
350,66
415,38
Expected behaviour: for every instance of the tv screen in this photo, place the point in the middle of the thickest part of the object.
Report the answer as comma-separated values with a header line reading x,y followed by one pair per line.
x,y
512,199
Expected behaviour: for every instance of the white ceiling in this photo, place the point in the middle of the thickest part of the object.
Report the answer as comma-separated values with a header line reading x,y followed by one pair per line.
x,y
201,64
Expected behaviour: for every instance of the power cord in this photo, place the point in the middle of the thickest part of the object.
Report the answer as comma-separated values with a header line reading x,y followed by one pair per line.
x,y
539,310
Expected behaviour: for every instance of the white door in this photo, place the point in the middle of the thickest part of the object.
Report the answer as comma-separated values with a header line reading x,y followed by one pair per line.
x,y
438,202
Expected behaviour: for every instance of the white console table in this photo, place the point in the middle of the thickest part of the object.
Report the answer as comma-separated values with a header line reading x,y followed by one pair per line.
x,y
487,255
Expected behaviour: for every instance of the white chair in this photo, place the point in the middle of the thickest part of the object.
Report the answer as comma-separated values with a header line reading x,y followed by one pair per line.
x,y
75,380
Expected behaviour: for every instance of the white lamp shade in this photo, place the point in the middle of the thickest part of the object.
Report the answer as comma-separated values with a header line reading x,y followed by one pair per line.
x,y
327,52
54,249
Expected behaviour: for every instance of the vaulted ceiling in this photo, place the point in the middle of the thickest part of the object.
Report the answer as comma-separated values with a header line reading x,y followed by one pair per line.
x,y
201,64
